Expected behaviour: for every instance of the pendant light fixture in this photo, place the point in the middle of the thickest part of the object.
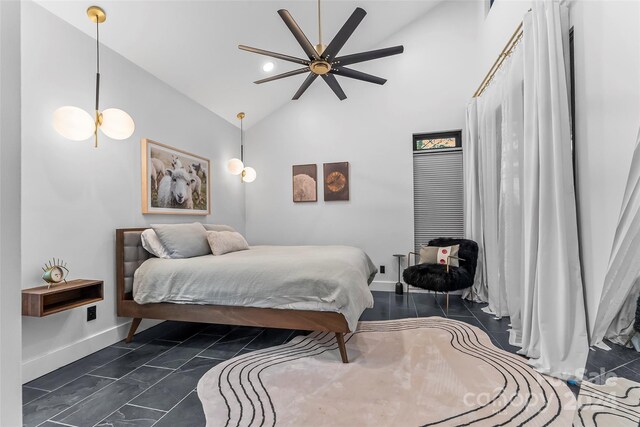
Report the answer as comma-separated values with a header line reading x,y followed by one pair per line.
x,y
76,124
236,166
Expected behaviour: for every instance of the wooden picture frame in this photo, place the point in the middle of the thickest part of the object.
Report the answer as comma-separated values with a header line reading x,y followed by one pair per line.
x,y
190,195
304,183
336,181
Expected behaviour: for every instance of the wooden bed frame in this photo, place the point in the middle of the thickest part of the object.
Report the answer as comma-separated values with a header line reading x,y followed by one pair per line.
x,y
306,320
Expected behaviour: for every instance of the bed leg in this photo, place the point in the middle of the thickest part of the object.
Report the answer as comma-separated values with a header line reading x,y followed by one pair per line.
x,y
132,330
342,347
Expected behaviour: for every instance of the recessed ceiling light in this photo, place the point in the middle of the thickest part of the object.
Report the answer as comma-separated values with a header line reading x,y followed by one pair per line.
x,y
268,66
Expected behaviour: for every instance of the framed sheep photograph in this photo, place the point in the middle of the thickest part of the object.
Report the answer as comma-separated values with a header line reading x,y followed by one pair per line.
x,y
305,183
174,181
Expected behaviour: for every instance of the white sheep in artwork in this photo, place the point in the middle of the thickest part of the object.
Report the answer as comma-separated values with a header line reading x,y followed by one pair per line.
x,y
158,171
176,163
304,188
175,190
200,171
197,186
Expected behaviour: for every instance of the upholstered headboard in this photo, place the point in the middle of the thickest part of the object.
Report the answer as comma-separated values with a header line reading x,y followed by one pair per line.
x,y
129,256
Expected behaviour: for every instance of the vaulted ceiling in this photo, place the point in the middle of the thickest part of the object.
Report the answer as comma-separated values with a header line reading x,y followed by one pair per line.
x,y
192,45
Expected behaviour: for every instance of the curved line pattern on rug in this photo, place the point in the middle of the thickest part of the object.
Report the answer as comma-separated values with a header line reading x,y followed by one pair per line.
x,y
616,403
234,393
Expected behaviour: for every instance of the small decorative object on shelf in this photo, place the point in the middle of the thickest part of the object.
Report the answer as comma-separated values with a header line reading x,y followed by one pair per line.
x,y
55,271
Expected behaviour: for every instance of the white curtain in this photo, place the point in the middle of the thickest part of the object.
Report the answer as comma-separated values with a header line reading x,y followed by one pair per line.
x,y
511,215
526,198
622,282
472,208
554,330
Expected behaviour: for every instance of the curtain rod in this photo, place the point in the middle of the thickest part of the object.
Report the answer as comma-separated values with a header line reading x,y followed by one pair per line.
x,y
511,44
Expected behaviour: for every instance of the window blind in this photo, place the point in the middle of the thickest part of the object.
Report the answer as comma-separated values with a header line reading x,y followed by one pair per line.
x,y
437,196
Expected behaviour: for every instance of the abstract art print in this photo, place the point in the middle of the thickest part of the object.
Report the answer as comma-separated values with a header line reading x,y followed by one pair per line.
x,y
336,181
173,181
305,183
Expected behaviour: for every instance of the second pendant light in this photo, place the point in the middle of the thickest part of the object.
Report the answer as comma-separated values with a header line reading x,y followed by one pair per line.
x,y
236,166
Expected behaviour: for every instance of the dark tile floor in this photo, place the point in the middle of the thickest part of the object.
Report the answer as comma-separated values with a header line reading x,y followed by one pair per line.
x,y
152,381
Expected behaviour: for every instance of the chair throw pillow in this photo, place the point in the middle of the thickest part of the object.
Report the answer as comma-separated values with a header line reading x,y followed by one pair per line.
x,y
436,255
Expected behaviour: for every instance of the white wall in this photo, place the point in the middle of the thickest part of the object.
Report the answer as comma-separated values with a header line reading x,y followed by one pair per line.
x,y
607,64
10,337
75,196
427,90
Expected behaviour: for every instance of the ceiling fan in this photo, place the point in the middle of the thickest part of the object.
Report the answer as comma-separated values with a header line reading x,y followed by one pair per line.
x,y
324,60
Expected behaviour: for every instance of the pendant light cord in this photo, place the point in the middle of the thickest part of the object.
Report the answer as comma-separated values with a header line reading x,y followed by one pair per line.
x,y
241,141
97,65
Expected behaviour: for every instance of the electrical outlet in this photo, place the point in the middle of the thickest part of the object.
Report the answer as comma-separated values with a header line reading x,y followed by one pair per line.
x,y
91,313
382,269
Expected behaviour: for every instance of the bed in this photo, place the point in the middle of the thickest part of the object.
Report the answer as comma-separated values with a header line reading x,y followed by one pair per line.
x,y
314,288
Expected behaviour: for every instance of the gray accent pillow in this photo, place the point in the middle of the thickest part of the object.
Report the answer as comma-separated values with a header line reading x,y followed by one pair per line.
x,y
218,227
183,240
223,242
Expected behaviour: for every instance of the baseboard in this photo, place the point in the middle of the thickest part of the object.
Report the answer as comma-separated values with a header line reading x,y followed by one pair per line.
x,y
388,286
43,364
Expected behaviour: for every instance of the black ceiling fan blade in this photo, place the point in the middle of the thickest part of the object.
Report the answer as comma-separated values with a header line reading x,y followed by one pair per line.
x,y
368,56
274,54
283,75
358,75
343,35
305,85
335,86
298,34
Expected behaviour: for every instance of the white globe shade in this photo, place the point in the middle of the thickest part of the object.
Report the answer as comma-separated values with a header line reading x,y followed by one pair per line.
x,y
117,124
73,123
235,166
249,174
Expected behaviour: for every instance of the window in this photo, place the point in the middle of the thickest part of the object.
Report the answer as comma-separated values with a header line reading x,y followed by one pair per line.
x,y
437,186
437,141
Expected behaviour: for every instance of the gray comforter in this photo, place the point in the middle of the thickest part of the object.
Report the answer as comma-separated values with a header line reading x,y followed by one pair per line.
x,y
319,278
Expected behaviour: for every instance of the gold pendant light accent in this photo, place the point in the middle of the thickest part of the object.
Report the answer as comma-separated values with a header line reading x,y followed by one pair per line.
x,y
96,14
76,124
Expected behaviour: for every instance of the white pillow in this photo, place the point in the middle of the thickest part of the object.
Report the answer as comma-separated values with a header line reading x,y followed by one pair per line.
x,y
223,242
152,244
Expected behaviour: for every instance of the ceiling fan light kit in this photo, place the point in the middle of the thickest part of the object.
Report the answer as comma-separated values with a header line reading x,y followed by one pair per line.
x,y
323,60
76,124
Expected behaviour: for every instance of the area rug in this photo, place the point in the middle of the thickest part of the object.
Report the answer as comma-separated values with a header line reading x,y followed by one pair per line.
x,y
614,404
413,372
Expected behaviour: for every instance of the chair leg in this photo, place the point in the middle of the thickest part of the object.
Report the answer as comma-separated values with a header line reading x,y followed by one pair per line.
x,y
447,303
132,330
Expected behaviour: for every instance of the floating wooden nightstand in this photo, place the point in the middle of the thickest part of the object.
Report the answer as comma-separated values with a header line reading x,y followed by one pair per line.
x,y
43,301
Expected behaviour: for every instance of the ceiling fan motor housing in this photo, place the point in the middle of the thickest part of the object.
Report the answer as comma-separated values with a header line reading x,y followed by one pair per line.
x,y
320,67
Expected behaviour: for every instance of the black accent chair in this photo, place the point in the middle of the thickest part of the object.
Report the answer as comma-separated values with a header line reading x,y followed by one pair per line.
x,y
440,277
